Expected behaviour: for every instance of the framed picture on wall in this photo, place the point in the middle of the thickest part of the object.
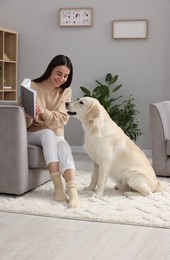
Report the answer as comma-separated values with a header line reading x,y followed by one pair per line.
x,y
76,17
130,29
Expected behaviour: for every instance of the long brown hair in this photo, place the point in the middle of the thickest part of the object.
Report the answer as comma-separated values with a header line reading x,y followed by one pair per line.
x,y
59,60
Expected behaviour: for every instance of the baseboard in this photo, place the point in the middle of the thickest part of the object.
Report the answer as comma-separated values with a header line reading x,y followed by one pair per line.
x,y
80,149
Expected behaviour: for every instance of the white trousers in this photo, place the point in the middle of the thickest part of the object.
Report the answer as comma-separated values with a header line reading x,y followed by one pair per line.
x,y
55,148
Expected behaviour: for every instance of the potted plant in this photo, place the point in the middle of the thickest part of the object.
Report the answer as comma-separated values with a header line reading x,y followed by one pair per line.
x,y
123,113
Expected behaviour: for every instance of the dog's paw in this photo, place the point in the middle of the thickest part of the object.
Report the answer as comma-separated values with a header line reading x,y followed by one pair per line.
x,y
129,194
98,195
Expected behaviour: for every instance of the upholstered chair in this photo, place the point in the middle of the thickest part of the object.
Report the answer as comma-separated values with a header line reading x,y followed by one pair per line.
x,y
22,166
160,136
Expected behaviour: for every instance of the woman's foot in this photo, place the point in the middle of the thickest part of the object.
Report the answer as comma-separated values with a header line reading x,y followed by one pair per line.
x,y
73,201
58,186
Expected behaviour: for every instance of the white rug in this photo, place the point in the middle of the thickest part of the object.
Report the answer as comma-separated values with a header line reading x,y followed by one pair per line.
x,y
111,208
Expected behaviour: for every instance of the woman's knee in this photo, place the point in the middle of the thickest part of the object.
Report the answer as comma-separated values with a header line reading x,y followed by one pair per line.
x,y
47,132
47,135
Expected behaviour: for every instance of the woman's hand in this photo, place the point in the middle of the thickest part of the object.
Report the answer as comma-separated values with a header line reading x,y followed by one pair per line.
x,y
39,110
28,116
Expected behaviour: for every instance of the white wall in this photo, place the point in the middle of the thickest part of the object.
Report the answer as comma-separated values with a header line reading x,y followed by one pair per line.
x,y
142,65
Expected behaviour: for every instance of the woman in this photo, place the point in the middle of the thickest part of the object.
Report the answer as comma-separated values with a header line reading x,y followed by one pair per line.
x,y
47,128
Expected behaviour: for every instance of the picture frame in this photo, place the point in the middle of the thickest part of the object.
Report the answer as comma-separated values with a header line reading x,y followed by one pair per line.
x,y
76,17
130,29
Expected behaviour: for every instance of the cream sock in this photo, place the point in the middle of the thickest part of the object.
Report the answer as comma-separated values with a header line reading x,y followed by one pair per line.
x,y
58,186
74,201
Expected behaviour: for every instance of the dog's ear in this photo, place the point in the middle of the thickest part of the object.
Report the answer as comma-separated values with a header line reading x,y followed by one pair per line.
x,y
93,113
94,119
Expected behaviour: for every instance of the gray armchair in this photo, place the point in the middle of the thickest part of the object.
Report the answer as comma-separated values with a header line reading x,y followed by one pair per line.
x,y
22,166
160,135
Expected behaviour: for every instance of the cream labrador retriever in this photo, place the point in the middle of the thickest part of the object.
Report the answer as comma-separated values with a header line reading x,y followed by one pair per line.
x,y
114,154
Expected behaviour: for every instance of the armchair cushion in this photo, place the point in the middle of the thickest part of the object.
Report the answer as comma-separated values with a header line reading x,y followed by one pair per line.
x,y
35,157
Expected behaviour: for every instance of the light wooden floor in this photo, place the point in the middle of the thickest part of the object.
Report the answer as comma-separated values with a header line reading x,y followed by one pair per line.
x,y
35,238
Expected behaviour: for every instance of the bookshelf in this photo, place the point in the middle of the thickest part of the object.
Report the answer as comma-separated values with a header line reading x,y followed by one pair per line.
x,y
8,64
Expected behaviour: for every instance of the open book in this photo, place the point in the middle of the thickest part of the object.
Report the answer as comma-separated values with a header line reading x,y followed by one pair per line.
x,y
28,98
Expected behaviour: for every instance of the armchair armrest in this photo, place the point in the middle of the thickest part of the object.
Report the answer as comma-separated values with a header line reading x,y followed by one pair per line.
x,y
160,134
13,149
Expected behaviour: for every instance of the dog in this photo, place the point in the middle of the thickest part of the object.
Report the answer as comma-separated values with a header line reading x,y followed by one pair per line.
x,y
113,153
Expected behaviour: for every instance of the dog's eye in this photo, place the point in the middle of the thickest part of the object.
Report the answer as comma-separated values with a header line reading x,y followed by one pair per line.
x,y
81,102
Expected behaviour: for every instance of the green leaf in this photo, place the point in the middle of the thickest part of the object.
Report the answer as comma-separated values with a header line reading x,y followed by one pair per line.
x,y
85,90
116,88
114,99
108,77
101,91
99,83
114,78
